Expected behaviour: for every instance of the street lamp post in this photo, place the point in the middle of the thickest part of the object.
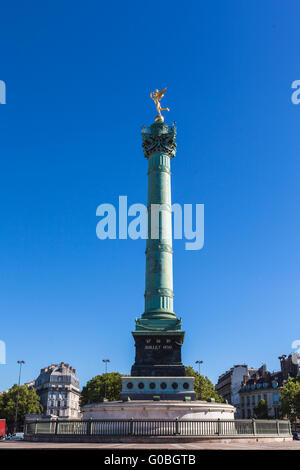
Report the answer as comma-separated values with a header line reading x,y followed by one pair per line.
x,y
17,402
106,361
199,364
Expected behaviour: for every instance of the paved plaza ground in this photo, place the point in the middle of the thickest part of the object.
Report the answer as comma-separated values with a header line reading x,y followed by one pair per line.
x,y
290,445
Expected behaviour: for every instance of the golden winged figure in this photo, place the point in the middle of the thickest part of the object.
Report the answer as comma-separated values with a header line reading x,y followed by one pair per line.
x,y
156,96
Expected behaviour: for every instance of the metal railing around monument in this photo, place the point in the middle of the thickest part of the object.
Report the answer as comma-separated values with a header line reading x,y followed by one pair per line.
x,y
155,427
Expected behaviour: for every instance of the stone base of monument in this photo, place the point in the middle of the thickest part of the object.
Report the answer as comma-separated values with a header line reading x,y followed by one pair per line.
x,y
167,409
159,398
158,388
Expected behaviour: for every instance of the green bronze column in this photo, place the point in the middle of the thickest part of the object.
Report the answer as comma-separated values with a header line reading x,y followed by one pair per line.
x,y
158,335
159,253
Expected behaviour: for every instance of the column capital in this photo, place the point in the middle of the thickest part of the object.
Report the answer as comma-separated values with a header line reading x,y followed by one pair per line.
x,y
160,138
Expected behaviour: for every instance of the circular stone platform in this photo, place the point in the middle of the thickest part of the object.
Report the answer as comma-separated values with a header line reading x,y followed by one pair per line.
x,y
139,409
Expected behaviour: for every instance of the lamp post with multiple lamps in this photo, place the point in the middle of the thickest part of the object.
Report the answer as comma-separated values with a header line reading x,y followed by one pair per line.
x,y
199,364
17,402
106,361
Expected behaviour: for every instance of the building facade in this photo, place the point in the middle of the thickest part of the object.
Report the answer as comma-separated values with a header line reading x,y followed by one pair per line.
x,y
265,385
30,384
58,389
229,385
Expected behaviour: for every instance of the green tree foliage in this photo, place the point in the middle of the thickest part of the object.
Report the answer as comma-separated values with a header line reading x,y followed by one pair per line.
x,y
261,410
94,390
29,402
290,399
203,387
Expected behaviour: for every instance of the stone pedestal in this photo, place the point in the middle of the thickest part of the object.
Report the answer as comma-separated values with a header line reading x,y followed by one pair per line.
x,y
158,355
160,388
142,409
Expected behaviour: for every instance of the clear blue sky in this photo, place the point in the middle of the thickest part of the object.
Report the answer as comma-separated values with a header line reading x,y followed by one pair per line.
x,y
78,78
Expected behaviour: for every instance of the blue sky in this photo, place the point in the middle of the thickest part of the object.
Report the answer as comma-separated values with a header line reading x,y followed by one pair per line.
x,y
78,79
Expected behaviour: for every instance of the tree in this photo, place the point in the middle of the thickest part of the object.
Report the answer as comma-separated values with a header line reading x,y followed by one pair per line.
x,y
29,402
261,410
290,399
203,387
94,390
